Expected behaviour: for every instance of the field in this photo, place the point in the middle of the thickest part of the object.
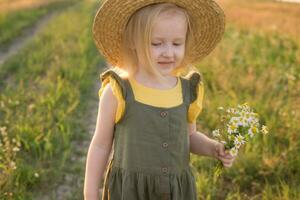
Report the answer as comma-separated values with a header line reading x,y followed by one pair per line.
x,y
48,100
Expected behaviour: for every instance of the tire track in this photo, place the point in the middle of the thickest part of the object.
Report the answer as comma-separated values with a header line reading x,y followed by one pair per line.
x,y
20,42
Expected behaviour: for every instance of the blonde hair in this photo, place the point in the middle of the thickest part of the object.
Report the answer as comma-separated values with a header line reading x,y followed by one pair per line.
x,y
138,34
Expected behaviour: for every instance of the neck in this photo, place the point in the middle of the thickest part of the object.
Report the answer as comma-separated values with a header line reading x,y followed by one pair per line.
x,y
142,76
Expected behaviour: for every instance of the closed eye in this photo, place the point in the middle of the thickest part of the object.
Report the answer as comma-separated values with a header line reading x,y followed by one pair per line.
x,y
177,44
156,44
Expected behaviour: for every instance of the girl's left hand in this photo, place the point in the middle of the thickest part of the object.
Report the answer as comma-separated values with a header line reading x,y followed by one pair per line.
x,y
223,155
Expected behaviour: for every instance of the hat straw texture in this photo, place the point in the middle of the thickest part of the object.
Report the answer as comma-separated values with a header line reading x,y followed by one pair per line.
x,y
206,16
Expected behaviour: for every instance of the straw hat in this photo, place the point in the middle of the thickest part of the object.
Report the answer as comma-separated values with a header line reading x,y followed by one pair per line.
x,y
110,21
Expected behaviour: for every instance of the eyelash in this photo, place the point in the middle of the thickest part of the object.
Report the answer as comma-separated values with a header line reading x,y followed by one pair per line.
x,y
160,43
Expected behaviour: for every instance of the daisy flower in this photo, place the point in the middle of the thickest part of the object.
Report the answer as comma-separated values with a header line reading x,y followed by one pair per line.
x,y
216,133
264,130
239,125
239,140
233,151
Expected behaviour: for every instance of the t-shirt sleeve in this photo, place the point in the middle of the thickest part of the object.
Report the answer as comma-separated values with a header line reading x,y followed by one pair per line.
x,y
196,97
116,84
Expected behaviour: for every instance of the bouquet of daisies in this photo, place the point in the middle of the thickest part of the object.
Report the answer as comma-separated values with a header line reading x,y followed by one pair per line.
x,y
238,126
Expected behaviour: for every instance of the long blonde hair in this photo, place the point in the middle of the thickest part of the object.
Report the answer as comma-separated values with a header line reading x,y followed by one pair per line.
x,y
138,34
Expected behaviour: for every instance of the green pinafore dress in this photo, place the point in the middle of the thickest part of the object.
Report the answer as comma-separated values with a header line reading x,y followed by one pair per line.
x,y
151,150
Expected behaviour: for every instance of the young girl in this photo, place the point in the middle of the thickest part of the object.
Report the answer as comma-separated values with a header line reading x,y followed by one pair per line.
x,y
150,99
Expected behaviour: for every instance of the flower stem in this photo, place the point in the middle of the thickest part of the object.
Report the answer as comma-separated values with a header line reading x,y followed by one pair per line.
x,y
218,171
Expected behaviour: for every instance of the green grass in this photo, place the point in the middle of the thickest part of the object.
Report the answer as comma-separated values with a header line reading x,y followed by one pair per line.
x,y
45,90
262,69
13,24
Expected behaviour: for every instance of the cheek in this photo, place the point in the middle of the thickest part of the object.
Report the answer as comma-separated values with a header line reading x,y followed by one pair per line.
x,y
155,52
180,53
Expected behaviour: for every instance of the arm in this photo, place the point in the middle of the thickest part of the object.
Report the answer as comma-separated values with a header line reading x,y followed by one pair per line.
x,y
101,144
200,144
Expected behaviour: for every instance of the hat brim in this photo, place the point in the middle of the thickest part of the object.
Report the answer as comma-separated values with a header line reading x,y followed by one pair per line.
x,y
207,17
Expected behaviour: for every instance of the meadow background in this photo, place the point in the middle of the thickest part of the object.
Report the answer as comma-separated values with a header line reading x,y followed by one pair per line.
x,y
49,78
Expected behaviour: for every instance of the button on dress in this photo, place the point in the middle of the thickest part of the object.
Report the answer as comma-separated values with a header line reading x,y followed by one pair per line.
x,y
151,151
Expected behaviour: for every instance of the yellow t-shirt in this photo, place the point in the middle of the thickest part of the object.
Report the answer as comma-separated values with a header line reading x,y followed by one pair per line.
x,y
156,97
165,98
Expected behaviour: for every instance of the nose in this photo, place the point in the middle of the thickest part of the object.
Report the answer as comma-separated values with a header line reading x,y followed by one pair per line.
x,y
168,51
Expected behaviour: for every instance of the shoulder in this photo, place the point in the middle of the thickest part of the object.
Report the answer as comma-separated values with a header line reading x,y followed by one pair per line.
x,y
107,90
108,97
108,104
115,73
116,78
114,91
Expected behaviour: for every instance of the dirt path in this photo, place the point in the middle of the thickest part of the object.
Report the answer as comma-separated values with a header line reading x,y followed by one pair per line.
x,y
29,33
72,182
67,189
71,185
14,5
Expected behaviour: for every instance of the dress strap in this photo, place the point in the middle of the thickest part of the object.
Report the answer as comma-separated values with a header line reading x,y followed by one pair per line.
x,y
185,90
115,75
130,94
195,79
196,92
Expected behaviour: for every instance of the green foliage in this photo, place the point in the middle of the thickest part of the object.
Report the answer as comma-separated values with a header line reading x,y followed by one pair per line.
x,y
262,69
45,88
13,24
44,93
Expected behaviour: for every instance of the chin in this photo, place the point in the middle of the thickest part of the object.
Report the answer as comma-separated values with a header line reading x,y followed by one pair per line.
x,y
165,70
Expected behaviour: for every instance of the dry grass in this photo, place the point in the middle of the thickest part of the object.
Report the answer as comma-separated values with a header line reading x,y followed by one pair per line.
x,y
280,17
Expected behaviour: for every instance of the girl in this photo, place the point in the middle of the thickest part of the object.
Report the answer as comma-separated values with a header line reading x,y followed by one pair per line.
x,y
150,99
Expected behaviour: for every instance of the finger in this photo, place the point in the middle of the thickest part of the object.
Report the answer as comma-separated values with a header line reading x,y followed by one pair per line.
x,y
218,149
221,149
227,165
229,162
226,160
228,155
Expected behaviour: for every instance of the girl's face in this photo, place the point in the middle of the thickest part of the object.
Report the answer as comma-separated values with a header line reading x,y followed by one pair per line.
x,y
168,41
